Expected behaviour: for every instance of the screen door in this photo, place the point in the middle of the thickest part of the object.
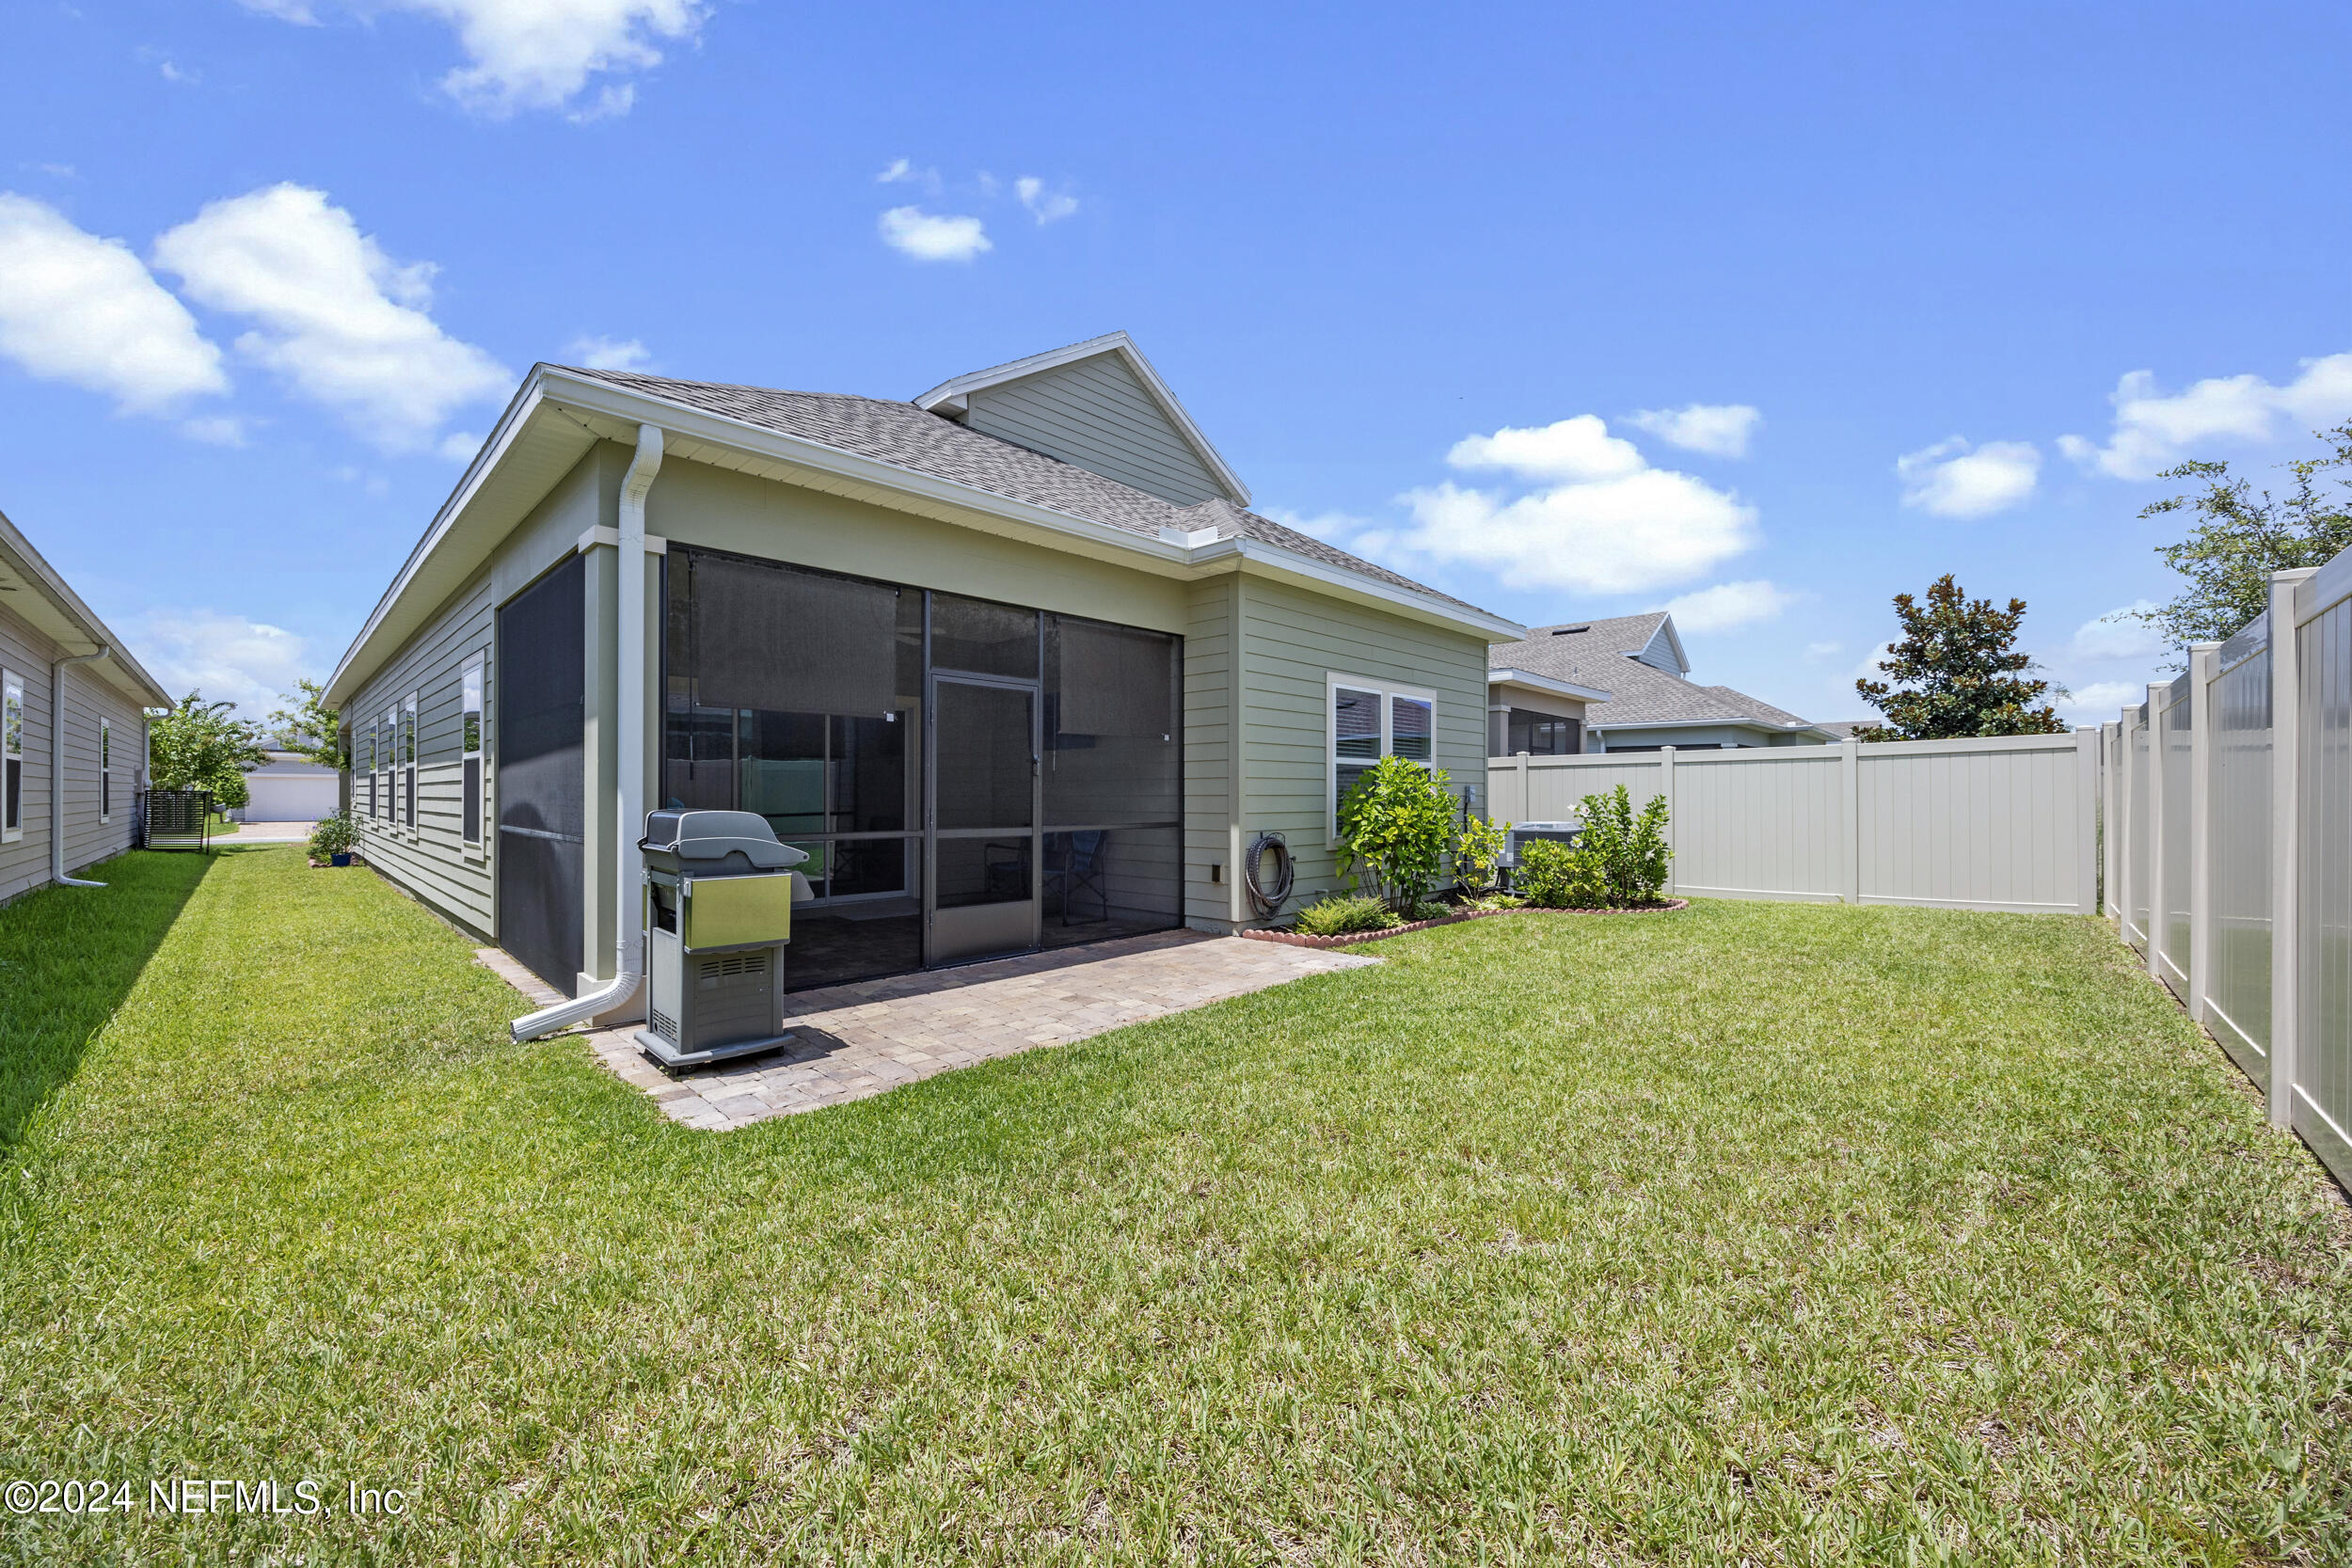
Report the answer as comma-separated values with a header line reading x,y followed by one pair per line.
x,y
982,887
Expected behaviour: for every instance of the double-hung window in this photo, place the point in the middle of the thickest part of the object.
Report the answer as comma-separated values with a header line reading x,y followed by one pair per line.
x,y
408,760
469,743
105,770
1370,720
11,755
363,764
387,760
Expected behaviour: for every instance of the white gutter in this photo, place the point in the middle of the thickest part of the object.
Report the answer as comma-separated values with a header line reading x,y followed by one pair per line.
x,y
56,766
1553,684
627,941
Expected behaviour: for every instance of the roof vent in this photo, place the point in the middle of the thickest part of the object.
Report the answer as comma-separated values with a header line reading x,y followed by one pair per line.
x,y
1569,631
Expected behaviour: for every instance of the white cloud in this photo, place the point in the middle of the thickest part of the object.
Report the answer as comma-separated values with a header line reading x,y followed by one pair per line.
x,y
77,308
1868,669
174,73
2153,431
1816,652
1573,449
335,316
929,238
1729,606
540,54
225,657
2117,634
1604,520
1952,479
1717,429
902,171
1336,527
2100,700
1043,205
611,354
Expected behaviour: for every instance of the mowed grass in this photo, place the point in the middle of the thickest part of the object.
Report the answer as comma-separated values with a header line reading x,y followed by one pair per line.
x,y
1760,1233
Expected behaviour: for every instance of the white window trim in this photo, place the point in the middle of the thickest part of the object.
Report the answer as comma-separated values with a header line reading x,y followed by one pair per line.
x,y
407,752
106,768
476,669
1332,681
388,764
12,683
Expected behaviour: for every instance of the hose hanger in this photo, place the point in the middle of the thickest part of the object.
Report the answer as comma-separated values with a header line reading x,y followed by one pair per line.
x,y
1267,892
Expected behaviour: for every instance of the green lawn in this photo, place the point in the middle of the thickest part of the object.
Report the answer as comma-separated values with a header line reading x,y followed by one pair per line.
x,y
1766,1232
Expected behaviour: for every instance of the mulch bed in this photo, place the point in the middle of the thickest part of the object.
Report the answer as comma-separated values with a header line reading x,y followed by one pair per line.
x,y
1350,938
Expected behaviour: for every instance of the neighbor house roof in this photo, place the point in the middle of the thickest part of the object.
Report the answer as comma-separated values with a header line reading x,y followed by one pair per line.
x,y
907,436
1609,654
31,587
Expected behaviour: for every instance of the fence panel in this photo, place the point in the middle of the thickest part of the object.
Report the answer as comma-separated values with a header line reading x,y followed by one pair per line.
x,y
1760,823
2138,860
2173,929
2237,999
2322,1059
1975,824
1550,788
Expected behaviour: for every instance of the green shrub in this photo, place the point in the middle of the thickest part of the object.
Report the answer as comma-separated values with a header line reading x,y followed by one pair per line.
x,y
1341,914
1630,846
1554,876
334,835
1396,824
1478,853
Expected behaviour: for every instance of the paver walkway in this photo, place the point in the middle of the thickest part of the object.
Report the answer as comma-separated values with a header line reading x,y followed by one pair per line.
x,y
865,1039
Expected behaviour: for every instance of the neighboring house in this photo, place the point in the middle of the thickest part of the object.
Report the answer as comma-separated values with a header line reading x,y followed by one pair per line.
x,y
289,788
1632,682
56,657
1011,661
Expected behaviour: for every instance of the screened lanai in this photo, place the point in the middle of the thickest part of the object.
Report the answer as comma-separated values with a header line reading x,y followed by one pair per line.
x,y
968,778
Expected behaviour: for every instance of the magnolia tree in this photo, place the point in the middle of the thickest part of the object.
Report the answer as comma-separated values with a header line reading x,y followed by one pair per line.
x,y
1956,672
201,745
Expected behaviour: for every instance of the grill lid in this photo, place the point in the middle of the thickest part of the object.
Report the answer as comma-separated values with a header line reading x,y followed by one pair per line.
x,y
709,837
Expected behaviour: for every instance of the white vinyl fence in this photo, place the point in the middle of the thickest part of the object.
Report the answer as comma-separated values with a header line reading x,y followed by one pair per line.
x,y
2229,854
1998,824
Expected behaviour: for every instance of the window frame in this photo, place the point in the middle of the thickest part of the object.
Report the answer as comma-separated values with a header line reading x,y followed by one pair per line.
x,y
388,764
472,731
1334,682
405,751
11,755
105,770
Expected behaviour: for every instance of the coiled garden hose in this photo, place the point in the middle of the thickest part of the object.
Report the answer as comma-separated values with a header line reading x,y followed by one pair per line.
x,y
1267,895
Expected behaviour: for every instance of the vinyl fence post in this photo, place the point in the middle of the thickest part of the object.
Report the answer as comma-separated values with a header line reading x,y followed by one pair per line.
x,y
2202,658
2158,894
2110,815
2286,844
1673,821
2087,748
1850,796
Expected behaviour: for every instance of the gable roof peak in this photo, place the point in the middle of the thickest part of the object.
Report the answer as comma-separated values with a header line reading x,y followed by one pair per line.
x,y
951,398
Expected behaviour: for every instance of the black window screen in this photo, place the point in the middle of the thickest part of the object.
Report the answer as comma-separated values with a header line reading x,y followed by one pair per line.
x,y
986,638
1544,734
1113,778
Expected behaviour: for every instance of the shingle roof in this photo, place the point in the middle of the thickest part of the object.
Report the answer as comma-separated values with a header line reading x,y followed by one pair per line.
x,y
906,436
1600,656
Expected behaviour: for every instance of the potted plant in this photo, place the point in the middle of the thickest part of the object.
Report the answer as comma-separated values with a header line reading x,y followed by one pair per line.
x,y
331,841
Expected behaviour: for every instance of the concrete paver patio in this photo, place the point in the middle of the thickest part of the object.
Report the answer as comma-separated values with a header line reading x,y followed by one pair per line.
x,y
862,1040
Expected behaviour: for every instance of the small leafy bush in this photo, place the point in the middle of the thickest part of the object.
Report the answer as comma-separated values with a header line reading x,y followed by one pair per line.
x,y
1617,862
1552,875
1478,853
335,835
1630,846
1341,914
1396,824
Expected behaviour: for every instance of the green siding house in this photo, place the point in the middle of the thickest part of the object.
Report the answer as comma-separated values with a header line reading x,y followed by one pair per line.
x,y
1013,661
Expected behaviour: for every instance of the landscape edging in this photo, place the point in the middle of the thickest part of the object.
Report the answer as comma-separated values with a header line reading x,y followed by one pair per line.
x,y
1352,939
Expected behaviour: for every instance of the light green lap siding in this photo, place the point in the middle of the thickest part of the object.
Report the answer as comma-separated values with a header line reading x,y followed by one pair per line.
x,y
1209,755
1293,642
1096,413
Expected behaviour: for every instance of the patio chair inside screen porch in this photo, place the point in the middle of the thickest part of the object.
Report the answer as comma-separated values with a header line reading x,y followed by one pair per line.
x,y
1074,875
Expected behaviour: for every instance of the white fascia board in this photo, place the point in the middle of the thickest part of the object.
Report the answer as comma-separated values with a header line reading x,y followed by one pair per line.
x,y
1556,687
951,397
1273,561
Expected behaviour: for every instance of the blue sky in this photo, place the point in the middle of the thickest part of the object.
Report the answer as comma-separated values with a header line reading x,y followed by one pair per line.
x,y
1767,311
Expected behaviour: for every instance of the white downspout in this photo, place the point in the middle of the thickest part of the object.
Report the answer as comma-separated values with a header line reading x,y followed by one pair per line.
x,y
56,766
630,760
